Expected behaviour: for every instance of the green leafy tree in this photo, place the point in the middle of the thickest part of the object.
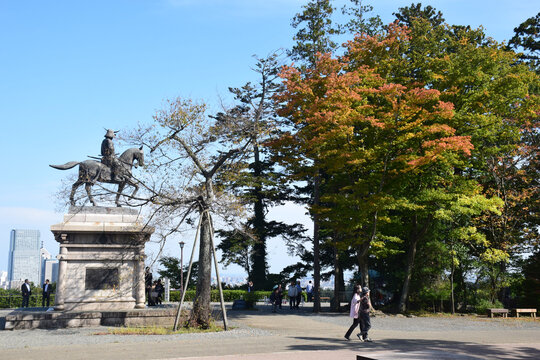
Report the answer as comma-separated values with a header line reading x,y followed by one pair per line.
x,y
366,133
531,283
477,76
171,270
403,124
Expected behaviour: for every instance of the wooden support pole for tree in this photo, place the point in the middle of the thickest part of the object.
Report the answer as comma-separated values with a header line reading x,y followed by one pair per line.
x,y
217,273
179,311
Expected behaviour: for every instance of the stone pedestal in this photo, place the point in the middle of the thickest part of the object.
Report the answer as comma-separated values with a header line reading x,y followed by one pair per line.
x,y
101,259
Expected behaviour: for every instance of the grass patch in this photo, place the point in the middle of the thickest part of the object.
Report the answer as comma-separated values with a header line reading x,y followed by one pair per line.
x,y
158,330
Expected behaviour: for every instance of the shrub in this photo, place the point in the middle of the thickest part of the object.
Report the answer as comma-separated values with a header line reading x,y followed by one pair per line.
x,y
484,304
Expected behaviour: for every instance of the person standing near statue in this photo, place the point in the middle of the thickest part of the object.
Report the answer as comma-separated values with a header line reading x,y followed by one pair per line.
x,y
108,156
47,289
148,285
26,292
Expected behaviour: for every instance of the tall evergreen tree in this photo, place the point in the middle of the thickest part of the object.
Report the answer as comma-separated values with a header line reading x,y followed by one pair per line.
x,y
314,37
358,21
255,179
527,38
315,31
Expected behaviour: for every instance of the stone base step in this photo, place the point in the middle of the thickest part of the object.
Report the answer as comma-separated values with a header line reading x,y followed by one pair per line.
x,y
36,319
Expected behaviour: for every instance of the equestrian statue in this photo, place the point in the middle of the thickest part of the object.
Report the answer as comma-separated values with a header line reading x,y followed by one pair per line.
x,y
111,169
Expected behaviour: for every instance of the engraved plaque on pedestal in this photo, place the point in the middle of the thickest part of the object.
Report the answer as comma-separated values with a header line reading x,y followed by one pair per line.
x,y
101,279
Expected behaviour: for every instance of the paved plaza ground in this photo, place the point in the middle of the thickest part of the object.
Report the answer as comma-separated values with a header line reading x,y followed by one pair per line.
x,y
292,334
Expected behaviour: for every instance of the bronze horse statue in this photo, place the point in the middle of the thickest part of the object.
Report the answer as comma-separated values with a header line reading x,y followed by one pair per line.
x,y
91,171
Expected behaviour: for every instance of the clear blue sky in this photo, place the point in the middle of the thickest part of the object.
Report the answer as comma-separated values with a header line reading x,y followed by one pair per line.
x,y
69,69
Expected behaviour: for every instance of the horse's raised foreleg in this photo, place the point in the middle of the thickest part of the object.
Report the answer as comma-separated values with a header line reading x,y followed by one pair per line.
x,y
73,189
88,187
119,192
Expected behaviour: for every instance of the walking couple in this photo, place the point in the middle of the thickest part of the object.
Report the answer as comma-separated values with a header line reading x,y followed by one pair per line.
x,y
360,307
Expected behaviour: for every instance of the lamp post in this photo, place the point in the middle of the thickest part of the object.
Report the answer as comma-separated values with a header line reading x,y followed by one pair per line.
x,y
181,243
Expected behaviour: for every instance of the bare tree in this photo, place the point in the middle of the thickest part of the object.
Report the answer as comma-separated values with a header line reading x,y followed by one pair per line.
x,y
188,150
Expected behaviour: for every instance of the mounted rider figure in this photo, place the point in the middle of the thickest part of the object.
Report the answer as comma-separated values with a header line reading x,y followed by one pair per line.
x,y
108,156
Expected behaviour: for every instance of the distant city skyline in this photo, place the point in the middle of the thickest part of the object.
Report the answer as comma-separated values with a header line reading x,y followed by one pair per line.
x,y
28,259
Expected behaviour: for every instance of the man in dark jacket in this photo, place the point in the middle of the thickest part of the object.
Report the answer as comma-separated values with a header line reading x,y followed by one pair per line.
x,y
47,289
148,282
26,292
365,321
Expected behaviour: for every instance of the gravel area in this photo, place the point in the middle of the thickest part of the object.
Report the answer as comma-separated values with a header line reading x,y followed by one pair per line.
x,y
80,336
12,339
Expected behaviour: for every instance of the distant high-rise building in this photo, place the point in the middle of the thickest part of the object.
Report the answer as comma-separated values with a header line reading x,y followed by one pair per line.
x,y
3,280
24,256
44,255
50,271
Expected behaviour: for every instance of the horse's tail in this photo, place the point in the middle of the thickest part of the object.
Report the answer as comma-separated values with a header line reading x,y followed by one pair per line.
x,y
66,166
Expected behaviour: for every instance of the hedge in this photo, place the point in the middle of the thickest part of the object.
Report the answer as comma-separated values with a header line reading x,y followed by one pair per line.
x,y
10,301
13,298
228,295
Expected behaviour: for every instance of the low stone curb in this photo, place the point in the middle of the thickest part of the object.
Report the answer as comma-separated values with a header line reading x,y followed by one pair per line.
x,y
17,319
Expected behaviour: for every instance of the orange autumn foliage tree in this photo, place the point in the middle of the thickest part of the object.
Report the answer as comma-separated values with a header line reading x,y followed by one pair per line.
x,y
368,135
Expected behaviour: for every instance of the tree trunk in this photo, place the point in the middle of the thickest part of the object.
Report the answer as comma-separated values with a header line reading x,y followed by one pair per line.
x,y
452,279
316,259
363,265
402,307
258,256
362,250
341,283
465,293
201,305
338,279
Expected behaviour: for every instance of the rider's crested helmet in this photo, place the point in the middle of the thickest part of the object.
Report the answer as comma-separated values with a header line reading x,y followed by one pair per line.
x,y
110,134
